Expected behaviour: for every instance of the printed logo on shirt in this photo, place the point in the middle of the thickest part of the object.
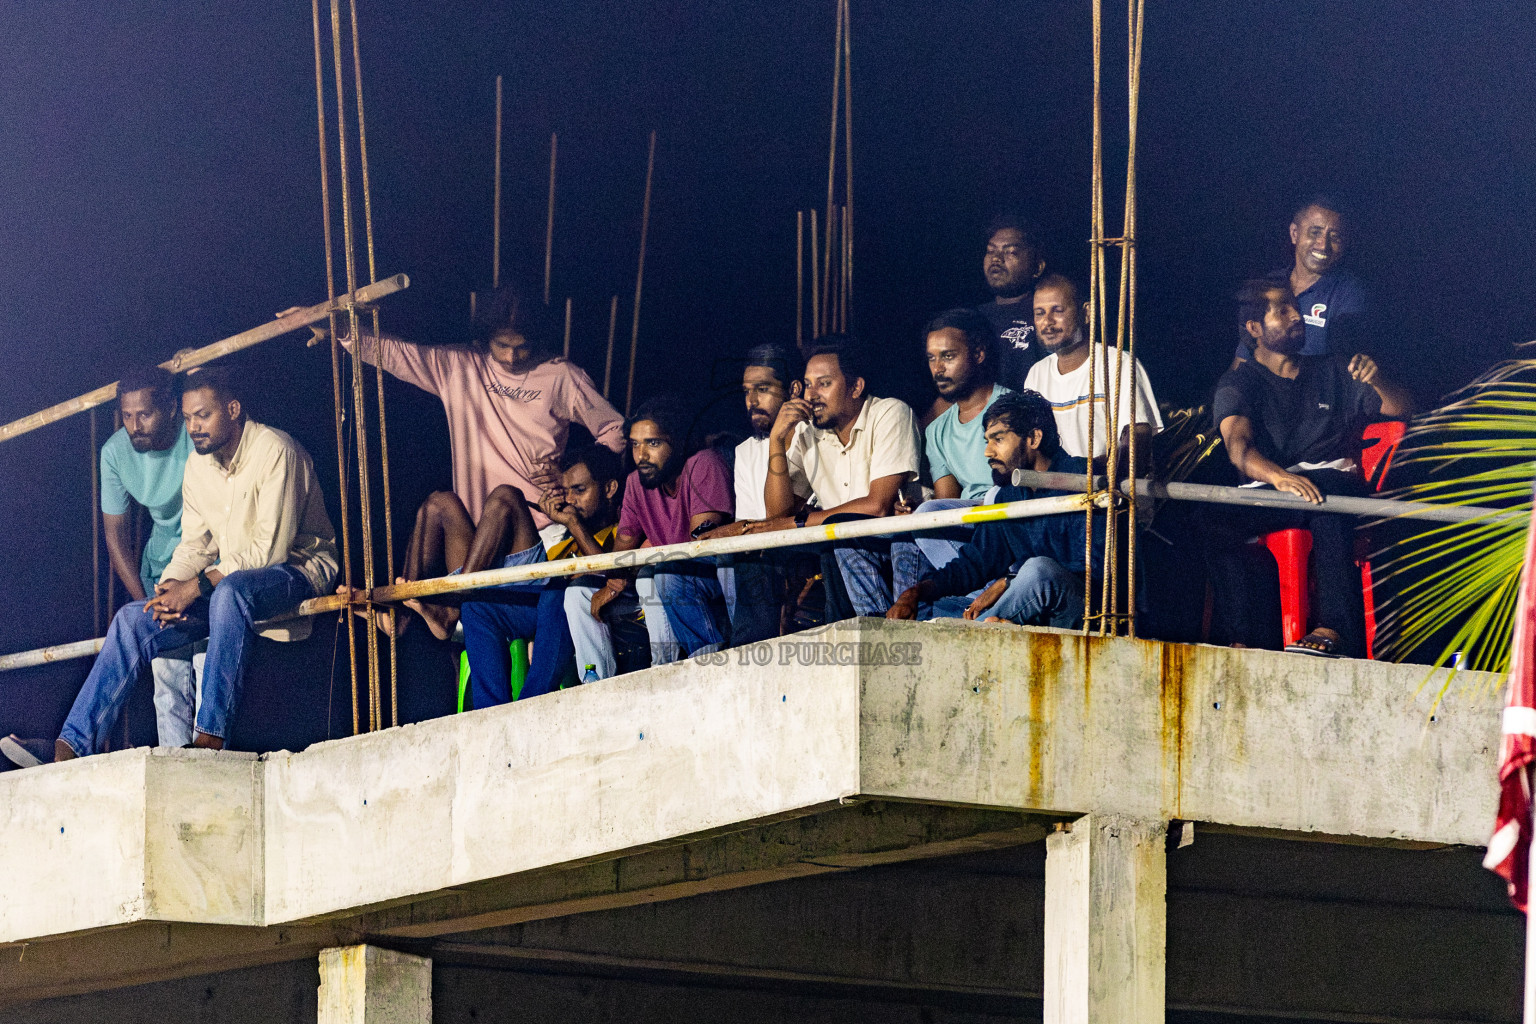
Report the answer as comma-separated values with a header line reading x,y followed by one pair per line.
x,y
1324,406
1316,318
1018,336
517,394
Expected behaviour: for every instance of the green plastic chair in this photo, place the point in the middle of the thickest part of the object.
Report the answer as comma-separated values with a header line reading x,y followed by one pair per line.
x,y
519,651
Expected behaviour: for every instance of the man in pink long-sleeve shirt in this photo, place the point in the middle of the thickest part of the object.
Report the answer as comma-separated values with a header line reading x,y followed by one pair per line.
x,y
510,405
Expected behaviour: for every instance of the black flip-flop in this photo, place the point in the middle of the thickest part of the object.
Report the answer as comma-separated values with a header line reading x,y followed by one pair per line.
x,y
1328,647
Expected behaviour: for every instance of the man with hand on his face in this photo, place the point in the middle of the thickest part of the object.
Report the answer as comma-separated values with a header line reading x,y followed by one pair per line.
x,y
1292,422
672,497
510,402
553,614
255,542
1028,571
754,582
853,453
1330,299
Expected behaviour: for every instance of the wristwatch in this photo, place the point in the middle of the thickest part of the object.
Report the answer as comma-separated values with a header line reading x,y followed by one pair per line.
x,y
801,517
204,584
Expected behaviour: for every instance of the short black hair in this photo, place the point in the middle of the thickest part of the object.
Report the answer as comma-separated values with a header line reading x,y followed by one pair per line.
x,y
1060,281
849,353
515,308
601,461
221,380
1320,201
1007,221
1024,412
976,328
158,381
670,414
1253,303
783,360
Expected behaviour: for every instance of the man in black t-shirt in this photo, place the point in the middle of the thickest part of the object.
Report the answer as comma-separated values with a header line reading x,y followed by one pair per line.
x,y
1012,264
1293,422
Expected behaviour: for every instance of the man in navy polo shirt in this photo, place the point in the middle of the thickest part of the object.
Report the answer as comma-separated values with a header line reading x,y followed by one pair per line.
x,y
1331,301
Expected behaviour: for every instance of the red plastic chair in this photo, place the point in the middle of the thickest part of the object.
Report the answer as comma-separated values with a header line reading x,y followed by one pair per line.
x,y
1292,549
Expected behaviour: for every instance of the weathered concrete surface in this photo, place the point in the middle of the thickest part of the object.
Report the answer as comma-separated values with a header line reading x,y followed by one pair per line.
x,y
691,778
586,773
137,835
367,985
1005,716
1106,921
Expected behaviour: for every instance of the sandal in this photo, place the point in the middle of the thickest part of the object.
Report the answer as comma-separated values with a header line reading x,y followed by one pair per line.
x,y
1316,644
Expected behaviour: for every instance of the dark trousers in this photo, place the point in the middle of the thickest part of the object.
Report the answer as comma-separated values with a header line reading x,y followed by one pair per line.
x,y
1245,583
492,623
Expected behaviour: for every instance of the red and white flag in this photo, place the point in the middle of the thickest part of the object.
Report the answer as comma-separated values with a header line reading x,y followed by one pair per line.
x,y
1509,851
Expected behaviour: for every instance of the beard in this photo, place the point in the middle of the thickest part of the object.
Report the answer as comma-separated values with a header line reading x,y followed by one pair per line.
x,y
142,442
1287,344
653,476
1007,288
761,425
1002,477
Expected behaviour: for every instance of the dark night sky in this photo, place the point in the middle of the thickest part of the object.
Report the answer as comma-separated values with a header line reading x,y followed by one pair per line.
x,y
159,189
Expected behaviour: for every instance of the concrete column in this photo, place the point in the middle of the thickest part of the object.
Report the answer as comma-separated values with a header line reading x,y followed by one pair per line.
x,y
369,985
1106,922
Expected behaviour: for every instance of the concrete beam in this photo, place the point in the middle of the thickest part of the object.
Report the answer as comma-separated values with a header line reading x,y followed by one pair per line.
x,y
136,835
1106,921
1053,721
368,985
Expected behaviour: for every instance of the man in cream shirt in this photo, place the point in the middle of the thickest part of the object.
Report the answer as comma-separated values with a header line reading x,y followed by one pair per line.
x,y
853,453
255,541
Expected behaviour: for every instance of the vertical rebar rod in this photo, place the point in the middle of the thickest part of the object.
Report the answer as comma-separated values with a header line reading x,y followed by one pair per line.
x,y
1095,271
95,527
799,278
1134,90
567,327
342,472
645,225
825,273
359,407
496,202
549,223
815,281
848,165
378,371
613,323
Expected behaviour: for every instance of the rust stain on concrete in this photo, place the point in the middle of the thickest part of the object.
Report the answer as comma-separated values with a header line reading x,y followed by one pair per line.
x,y
1175,666
1044,674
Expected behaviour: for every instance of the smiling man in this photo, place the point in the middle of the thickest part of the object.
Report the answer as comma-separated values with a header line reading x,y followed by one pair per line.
x,y
1330,299
255,542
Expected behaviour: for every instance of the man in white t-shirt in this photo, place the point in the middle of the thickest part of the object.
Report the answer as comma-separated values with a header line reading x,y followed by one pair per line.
x,y
1062,376
853,454
754,583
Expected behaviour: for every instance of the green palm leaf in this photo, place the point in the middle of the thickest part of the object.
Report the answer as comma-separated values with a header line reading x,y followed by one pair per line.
x,y
1461,580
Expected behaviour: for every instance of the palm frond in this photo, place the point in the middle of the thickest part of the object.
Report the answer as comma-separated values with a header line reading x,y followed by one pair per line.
x,y
1461,580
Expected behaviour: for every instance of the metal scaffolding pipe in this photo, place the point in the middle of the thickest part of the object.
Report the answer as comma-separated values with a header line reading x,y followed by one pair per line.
x,y
634,559
208,353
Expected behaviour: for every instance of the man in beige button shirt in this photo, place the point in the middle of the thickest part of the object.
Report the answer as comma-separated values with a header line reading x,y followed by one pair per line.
x,y
255,541
850,451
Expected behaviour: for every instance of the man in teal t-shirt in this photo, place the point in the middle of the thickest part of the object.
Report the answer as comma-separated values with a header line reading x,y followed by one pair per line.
x,y
961,354
144,461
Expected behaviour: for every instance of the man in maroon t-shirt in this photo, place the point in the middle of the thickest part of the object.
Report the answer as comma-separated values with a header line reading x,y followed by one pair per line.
x,y
670,498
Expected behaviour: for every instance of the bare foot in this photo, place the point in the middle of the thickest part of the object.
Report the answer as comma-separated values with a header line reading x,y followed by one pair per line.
x,y
207,742
381,614
440,619
63,751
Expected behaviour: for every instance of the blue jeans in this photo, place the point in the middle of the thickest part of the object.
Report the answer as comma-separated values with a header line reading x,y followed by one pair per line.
x,y
694,604
227,619
913,559
490,625
1042,593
